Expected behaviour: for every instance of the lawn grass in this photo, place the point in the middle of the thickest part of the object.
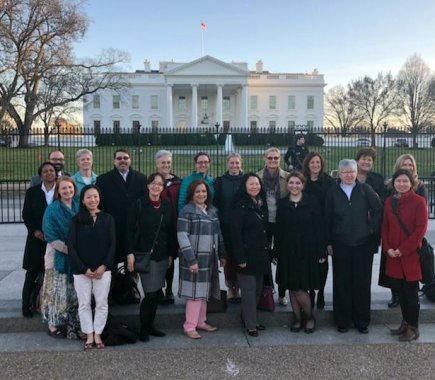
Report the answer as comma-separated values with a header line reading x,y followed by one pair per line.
x,y
22,163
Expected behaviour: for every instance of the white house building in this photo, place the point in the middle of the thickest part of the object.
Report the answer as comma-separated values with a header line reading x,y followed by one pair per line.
x,y
207,91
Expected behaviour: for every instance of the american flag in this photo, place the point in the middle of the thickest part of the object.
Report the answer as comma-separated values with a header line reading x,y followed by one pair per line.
x,y
203,26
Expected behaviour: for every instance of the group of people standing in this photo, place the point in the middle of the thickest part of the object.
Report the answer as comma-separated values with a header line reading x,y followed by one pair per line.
x,y
81,227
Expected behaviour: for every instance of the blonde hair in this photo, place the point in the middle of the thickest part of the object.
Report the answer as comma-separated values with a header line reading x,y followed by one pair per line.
x,y
272,149
234,155
401,159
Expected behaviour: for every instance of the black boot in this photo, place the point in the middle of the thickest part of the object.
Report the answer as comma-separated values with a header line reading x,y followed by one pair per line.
x,y
312,297
394,300
144,320
148,310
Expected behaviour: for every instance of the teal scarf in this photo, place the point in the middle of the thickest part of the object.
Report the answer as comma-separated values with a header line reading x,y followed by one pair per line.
x,y
56,222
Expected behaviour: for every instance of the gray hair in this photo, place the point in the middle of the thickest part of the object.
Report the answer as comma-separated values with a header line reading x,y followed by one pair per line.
x,y
81,152
347,164
162,153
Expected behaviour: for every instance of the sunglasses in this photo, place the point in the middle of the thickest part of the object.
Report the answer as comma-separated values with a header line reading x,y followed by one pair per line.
x,y
273,158
125,158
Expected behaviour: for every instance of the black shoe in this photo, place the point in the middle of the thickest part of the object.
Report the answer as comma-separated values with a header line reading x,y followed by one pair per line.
x,y
144,336
394,301
309,330
154,332
261,327
296,326
252,332
342,330
363,330
320,301
27,313
169,298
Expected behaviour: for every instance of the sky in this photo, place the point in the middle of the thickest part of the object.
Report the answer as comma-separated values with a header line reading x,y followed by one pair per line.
x,y
343,39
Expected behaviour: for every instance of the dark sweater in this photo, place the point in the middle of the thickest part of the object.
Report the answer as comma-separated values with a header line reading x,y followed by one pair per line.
x,y
92,245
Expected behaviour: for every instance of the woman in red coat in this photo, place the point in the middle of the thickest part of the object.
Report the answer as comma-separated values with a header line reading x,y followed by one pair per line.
x,y
403,263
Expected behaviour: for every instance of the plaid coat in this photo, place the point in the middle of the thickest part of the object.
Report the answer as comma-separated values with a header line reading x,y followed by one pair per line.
x,y
199,238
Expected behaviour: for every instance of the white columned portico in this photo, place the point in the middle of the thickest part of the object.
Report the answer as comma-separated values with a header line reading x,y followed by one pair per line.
x,y
244,107
194,105
170,113
219,118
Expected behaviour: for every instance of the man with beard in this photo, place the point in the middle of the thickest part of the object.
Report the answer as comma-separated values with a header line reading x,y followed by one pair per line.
x,y
57,158
120,187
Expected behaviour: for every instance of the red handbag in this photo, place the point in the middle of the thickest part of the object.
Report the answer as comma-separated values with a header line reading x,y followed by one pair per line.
x,y
266,302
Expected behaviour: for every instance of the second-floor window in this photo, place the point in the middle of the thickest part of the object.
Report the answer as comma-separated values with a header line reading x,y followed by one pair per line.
x,y
272,102
291,102
135,102
182,105
154,102
254,102
226,103
204,103
96,101
116,101
310,102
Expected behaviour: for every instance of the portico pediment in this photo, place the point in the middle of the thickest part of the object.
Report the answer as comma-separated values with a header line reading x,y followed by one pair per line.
x,y
207,66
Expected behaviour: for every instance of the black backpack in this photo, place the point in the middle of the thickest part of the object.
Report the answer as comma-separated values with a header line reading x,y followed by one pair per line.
x,y
124,288
115,333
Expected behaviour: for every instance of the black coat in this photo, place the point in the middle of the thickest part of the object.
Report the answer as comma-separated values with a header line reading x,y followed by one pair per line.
x,y
356,221
118,195
377,182
299,243
142,224
249,237
33,213
318,189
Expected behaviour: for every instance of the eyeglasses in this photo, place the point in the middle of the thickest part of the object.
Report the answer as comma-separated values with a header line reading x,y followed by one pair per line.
x,y
348,173
125,158
159,184
273,158
202,162
57,159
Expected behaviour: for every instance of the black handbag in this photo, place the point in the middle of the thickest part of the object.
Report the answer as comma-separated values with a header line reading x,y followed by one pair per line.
x,y
215,305
142,260
425,252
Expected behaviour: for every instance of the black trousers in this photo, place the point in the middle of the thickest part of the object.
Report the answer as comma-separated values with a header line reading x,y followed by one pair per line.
x,y
28,288
408,298
352,276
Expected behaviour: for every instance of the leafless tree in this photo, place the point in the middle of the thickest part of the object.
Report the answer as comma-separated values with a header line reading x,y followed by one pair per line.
x,y
36,47
416,86
340,113
375,100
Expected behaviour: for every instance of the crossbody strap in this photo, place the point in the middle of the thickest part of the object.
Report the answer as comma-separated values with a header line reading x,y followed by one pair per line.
x,y
157,234
394,204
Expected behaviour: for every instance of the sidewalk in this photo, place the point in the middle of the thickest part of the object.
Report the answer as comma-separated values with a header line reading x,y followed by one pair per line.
x,y
170,318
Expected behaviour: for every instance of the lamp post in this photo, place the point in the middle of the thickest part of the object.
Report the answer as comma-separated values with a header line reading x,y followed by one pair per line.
x,y
384,151
217,145
58,133
138,126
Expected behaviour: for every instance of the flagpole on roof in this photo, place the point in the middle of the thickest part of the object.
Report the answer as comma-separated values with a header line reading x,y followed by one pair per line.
x,y
203,27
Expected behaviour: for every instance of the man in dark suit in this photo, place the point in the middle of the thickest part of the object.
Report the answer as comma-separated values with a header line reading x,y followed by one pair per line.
x,y
57,158
120,187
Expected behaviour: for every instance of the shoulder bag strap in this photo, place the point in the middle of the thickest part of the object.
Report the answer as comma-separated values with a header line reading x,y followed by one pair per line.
x,y
157,234
394,204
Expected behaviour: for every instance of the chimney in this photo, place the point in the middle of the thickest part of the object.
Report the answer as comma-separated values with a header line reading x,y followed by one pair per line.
x,y
147,66
259,66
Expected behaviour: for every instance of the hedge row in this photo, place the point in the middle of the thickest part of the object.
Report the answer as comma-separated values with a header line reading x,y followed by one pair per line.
x,y
194,139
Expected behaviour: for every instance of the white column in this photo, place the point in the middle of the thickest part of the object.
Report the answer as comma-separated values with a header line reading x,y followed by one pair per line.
x,y
219,117
169,114
244,107
194,118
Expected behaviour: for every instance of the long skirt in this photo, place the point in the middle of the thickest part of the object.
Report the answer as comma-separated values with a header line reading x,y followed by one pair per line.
x,y
59,303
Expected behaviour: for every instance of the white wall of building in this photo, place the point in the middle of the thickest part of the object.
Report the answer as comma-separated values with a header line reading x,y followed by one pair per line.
x,y
147,99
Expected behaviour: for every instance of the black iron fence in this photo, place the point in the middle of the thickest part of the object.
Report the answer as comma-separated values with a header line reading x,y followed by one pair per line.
x,y
21,156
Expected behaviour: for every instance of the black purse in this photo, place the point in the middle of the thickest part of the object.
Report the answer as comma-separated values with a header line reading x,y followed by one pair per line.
x,y
425,252
142,260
